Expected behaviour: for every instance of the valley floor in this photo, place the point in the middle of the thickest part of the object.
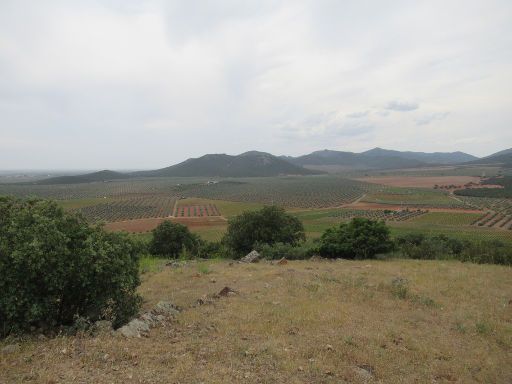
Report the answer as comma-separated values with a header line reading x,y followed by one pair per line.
x,y
399,321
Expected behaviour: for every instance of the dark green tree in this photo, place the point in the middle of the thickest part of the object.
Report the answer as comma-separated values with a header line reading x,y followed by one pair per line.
x,y
169,239
54,267
269,225
359,239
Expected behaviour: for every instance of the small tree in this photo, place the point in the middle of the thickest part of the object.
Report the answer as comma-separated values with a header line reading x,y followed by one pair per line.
x,y
268,225
170,239
359,239
54,267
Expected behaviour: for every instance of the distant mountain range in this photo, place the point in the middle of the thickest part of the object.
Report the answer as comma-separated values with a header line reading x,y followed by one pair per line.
x,y
247,164
254,164
376,158
503,158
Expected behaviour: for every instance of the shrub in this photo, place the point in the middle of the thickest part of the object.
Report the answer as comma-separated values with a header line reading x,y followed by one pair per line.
x,y
269,225
359,239
288,251
54,267
171,239
443,247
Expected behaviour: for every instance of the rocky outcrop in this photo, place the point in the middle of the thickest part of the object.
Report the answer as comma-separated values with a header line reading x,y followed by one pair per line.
x,y
140,327
251,257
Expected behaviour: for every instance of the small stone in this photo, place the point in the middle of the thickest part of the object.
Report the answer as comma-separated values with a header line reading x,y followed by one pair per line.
x,y
226,291
365,372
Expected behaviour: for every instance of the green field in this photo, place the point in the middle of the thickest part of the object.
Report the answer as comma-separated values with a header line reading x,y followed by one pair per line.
x,y
416,197
316,200
447,218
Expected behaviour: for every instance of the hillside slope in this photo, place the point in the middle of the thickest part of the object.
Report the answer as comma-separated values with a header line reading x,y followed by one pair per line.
x,y
248,164
425,157
352,160
104,175
503,158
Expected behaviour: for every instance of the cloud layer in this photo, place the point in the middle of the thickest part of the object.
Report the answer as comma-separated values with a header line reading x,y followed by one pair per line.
x,y
143,84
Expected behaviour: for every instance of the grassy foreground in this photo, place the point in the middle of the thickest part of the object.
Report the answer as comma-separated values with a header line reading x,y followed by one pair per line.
x,y
302,322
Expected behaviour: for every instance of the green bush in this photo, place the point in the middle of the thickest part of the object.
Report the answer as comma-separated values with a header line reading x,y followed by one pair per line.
x,y
443,247
172,239
359,239
269,225
288,251
54,267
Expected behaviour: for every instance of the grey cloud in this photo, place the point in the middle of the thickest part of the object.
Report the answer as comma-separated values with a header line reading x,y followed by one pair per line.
x,y
226,75
402,106
428,118
358,115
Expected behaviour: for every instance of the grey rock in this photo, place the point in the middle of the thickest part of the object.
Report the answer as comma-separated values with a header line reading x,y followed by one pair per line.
x,y
11,348
102,327
365,373
135,328
251,257
165,308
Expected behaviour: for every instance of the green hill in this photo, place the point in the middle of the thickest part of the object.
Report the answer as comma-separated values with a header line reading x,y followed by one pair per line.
x,y
248,164
104,175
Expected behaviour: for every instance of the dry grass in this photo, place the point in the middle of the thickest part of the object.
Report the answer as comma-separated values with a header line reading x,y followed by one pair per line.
x,y
303,322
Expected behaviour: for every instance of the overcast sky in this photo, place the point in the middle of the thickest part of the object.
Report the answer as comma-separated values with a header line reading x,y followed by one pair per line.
x,y
145,84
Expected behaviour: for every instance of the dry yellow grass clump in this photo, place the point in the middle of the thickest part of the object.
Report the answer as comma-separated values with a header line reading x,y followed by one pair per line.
x,y
302,322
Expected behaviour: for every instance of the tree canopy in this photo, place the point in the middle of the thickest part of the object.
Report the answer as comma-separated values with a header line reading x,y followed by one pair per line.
x,y
359,239
54,267
269,225
169,239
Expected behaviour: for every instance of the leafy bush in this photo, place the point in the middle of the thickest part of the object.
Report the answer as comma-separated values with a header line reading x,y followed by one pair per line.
x,y
269,225
359,239
443,247
288,251
54,267
171,239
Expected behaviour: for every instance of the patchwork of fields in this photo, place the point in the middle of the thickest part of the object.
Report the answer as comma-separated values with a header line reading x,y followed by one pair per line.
x,y
204,205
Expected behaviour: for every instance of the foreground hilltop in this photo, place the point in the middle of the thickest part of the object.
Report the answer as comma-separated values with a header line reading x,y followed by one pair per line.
x,y
420,326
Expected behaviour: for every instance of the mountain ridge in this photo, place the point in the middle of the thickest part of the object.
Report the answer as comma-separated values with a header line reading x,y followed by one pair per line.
x,y
263,164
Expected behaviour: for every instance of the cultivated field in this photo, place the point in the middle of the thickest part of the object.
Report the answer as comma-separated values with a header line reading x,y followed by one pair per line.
x,y
205,205
420,181
303,322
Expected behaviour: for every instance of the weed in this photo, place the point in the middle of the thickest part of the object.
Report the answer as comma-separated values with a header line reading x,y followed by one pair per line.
x,y
203,269
483,328
399,287
460,327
